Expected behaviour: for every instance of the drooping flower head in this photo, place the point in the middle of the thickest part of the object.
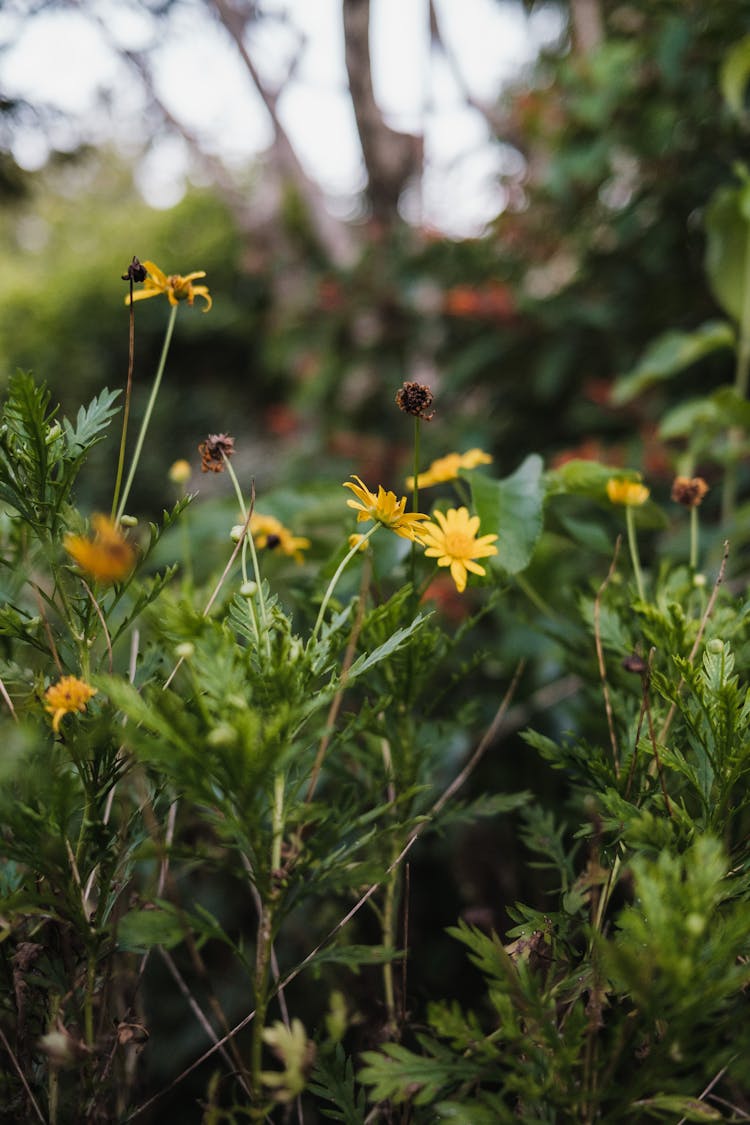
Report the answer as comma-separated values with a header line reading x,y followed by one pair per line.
x,y
67,695
270,533
213,451
453,541
627,493
136,271
384,508
108,557
175,287
447,468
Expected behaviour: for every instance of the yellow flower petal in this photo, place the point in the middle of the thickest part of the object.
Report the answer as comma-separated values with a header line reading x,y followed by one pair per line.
x,y
175,287
108,557
453,541
628,493
67,695
385,508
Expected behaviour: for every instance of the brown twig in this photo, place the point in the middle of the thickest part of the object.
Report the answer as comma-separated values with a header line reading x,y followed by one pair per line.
x,y
600,658
8,700
21,1075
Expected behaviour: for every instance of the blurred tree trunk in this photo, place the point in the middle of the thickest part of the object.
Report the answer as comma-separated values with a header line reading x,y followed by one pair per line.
x,y
391,158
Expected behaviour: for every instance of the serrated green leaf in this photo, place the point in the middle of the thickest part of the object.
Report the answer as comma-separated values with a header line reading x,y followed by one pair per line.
x,y
91,421
512,509
670,354
394,642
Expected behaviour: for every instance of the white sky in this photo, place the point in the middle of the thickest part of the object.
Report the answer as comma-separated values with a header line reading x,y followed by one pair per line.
x,y
66,59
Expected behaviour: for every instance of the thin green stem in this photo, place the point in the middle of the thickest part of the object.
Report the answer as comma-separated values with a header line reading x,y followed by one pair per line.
x,y
250,542
126,409
415,502
278,820
633,545
149,412
694,538
339,571
534,596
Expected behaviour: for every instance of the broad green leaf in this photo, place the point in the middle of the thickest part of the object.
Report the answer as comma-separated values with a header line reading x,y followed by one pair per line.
x,y
512,509
672,353
584,478
684,419
734,74
727,234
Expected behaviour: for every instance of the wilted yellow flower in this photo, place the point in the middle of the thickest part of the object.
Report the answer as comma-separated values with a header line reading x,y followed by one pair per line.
x,y
270,533
447,468
628,493
384,508
689,491
453,542
357,540
67,695
108,557
176,287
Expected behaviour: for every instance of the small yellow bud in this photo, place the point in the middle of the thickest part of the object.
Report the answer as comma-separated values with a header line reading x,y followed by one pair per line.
x,y
180,472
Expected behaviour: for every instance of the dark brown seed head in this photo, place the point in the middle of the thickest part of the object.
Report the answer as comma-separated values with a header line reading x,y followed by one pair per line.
x,y
415,399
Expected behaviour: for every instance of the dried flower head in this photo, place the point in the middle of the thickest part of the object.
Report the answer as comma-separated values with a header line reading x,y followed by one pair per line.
x,y
214,450
67,695
689,491
108,557
415,399
136,271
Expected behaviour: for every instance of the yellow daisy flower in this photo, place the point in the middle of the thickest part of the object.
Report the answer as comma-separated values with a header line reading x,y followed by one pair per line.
x,y
384,508
176,287
447,468
270,533
628,493
108,557
67,695
453,541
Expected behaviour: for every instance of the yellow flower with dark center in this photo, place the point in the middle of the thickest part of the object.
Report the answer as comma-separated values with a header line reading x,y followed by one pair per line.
x,y
67,695
447,468
384,508
270,533
453,541
108,557
627,493
175,287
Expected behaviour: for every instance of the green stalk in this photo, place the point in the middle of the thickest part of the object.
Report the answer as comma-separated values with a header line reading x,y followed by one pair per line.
x,y
415,502
332,584
694,538
149,412
633,545
126,409
253,554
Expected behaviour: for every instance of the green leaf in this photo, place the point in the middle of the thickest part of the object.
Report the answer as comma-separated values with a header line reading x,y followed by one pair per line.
x,y
140,930
354,955
734,74
669,1105
583,478
670,354
394,642
91,421
333,1081
727,232
511,508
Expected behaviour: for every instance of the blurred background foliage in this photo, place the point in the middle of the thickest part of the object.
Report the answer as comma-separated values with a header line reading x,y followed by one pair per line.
x,y
620,138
